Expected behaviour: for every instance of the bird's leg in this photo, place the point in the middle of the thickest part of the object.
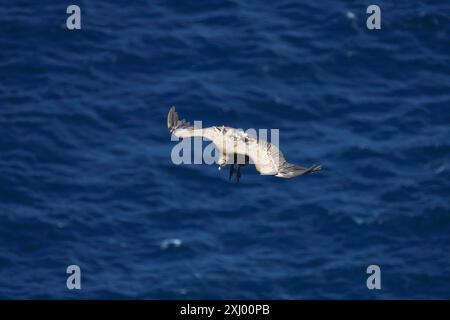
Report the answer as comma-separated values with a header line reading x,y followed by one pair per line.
x,y
231,171
238,174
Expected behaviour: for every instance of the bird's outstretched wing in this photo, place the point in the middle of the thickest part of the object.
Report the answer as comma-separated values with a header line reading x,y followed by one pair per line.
x,y
184,129
269,160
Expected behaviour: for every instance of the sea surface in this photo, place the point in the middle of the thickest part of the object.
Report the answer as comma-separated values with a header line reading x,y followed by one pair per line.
x,y
86,176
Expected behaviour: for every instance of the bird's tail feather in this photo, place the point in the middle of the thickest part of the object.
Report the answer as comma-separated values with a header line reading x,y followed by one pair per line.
x,y
289,170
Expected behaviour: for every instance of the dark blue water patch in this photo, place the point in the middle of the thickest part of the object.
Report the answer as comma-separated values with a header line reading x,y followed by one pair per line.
x,y
86,175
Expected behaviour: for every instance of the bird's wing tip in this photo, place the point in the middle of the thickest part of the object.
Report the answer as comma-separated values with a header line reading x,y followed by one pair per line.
x,y
290,170
172,119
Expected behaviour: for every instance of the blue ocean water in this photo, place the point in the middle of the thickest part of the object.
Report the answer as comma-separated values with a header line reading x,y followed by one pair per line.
x,y
86,176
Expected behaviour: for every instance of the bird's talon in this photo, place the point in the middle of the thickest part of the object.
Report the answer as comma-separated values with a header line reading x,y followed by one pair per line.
x,y
231,171
238,174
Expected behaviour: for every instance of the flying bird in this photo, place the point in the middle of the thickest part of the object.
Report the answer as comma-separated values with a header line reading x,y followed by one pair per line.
x,y
238,147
